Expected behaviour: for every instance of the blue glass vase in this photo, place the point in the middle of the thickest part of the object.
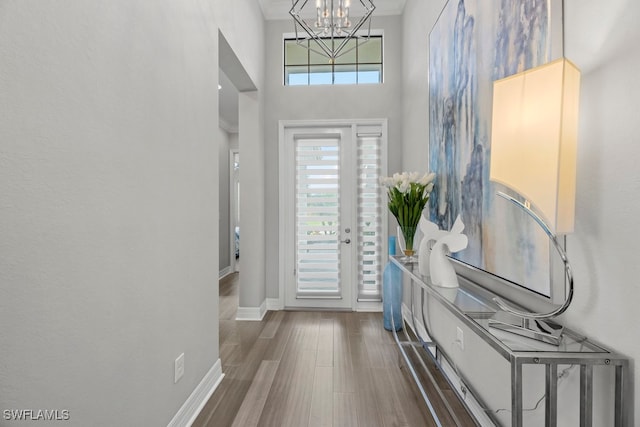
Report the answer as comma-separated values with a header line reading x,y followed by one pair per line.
x,y
392,292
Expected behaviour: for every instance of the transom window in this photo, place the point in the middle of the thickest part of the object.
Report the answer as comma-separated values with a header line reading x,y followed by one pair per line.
x,y
361,64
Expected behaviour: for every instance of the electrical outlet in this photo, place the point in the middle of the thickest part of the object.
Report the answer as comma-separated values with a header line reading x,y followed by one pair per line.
x,y
460,338
178,368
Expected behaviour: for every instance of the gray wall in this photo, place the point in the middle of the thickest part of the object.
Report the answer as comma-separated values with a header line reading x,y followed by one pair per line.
x,y
252,287
109,202
223,172
325,102
602,39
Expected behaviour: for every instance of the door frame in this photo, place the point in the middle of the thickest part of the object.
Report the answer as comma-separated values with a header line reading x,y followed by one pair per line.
x,y
283,185
234,201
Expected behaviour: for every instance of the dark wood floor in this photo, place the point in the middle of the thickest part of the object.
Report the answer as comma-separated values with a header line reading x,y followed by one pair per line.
x,y
312,368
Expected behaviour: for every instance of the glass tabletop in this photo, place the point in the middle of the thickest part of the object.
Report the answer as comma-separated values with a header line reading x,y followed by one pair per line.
x,y
483,312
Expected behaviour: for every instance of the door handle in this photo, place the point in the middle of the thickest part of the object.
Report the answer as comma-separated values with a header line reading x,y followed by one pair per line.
x,y
347,241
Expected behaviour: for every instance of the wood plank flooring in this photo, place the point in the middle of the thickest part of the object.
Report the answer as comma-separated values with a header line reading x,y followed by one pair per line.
x,y
313,368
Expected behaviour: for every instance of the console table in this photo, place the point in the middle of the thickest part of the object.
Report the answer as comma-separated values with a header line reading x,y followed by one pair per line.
x,y
473,307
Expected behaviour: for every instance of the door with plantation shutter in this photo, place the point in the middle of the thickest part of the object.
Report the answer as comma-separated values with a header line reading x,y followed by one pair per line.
x,y
333,215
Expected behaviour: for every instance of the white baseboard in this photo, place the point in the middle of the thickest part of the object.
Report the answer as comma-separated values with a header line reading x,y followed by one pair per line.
x,y
224,272
369,307
274,304
252,313
191,408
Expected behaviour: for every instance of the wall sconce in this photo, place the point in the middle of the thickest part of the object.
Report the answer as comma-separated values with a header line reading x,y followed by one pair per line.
x,y
533,152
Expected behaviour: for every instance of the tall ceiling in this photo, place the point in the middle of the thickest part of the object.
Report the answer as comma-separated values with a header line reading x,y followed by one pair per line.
x,y
279,9
272,10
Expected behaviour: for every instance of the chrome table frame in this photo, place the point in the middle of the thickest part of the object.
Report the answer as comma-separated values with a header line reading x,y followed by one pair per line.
x,y
574,350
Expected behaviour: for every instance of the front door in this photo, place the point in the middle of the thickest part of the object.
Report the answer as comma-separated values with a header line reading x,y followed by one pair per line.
x,y
333,231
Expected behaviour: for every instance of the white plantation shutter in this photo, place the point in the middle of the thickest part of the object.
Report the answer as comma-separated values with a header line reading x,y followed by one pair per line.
x,y
370,205
334,214
318,218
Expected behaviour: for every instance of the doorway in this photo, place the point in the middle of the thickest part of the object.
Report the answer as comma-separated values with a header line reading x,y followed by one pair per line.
x,y
233,82
332,214
234,208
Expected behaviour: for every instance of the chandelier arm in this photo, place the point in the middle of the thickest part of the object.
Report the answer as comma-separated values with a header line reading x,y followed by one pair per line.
x,y
567,269
331,26
352,34
299,21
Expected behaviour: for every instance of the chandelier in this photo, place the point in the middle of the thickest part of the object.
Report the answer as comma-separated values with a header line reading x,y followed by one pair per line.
x,y
333,25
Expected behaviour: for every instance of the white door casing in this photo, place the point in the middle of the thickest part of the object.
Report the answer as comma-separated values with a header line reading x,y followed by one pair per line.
x,y
332,224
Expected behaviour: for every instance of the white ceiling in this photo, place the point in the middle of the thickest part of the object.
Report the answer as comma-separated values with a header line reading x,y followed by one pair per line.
x,y
279,9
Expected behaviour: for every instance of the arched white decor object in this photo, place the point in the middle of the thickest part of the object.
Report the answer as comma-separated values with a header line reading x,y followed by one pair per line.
x,y
431,234
442,272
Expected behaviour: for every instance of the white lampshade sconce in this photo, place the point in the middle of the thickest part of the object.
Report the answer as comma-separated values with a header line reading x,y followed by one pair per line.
x,y
533,153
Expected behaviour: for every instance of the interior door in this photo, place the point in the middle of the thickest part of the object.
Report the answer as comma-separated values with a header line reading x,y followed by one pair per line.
x,y
320,256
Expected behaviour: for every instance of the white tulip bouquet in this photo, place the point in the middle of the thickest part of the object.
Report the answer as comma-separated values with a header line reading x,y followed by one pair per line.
x,y
408,194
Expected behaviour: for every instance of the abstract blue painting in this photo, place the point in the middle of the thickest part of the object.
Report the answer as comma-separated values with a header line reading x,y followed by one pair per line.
x,y
473,43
